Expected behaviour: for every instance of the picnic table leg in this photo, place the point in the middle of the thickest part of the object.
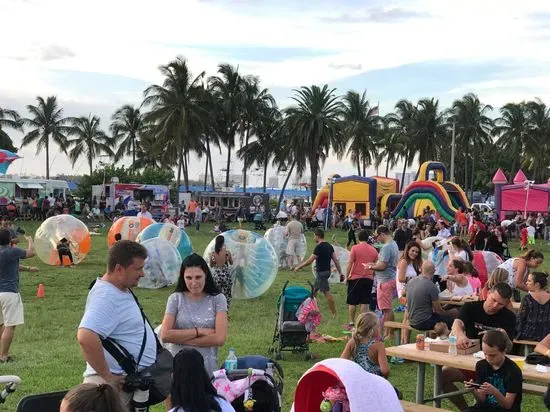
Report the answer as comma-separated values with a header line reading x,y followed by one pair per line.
x,y
420,380
437,385
526,350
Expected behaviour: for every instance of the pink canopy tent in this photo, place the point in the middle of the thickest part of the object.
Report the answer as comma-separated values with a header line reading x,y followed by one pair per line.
x,y
511,198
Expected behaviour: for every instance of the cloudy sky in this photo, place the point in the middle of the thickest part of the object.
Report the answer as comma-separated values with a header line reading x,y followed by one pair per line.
x,y
96,56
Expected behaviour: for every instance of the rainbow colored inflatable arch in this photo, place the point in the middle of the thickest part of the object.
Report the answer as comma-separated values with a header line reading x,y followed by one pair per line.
x,y
436,193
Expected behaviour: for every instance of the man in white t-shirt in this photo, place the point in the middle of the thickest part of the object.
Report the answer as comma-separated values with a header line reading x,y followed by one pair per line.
x,y
112,312
144,212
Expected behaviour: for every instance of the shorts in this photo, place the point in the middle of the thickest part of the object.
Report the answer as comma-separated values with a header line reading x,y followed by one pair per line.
x,y
321,281
359,291
384,294
11,309
240,219
294,247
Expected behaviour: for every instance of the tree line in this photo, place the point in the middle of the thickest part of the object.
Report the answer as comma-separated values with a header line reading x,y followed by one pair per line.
x,y
198,114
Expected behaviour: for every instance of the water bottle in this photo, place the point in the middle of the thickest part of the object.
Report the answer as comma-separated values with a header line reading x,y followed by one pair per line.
x,y
438,286
452,345
269,369
231,361
139,400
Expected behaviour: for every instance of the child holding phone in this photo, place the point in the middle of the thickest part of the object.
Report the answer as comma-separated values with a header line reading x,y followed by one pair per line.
x,y
498,383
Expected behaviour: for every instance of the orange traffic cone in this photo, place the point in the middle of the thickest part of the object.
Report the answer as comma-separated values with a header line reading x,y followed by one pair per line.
x,y
40,292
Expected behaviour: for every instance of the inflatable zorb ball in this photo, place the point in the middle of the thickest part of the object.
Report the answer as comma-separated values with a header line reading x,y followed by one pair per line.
x,y
162,266
485,262
343,257
169,232
255,262
276,237
129,228
55,228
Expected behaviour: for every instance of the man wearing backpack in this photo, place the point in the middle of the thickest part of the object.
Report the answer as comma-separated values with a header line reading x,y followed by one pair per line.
x,y
113,312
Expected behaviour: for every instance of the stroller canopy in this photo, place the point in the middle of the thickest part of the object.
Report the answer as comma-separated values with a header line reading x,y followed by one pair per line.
x,y
365,391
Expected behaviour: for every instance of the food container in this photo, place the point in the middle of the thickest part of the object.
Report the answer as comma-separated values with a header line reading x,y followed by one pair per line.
x,y
443,346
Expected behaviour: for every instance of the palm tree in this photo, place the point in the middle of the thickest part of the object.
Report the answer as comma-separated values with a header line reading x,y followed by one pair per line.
x,y
403,128
127,127
473,127
9,119
267,143
431,130
46,122
361,126
176,113
315,126
391,145
537,147
512,129
227,89
254,103
90,141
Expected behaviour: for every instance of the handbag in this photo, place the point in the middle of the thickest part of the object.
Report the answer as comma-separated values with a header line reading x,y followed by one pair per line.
x,y
535,358
159,374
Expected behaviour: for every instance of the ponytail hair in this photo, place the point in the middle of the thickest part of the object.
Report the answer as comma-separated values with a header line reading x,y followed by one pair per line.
x,y
366,327
541,278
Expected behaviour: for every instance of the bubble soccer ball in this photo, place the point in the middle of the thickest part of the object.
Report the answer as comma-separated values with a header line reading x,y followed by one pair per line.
x,y
255,262
169,232
343,257
55,228
485,262
162,266
276,237
129,227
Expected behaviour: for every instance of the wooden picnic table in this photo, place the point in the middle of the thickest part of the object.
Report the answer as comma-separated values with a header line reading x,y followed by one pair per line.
x,y
440,359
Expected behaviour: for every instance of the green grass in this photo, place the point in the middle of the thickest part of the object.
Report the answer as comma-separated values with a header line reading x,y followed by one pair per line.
x,y
48,357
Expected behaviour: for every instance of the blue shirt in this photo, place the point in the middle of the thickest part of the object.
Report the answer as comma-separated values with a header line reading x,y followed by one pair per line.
x,y
9,268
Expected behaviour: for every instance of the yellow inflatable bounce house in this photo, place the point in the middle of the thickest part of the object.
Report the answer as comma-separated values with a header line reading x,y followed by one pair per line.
x,y
357,193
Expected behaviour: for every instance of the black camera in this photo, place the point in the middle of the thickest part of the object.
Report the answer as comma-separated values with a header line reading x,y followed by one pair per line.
x,y
137,381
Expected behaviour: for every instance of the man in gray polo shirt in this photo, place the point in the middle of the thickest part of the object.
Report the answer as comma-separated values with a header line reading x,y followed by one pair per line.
x,y
386,270
423,304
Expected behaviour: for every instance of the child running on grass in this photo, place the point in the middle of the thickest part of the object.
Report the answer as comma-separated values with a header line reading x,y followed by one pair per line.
x,y
366,347
498,384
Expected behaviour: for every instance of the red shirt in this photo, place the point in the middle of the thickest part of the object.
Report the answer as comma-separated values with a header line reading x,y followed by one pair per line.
x,y
361,255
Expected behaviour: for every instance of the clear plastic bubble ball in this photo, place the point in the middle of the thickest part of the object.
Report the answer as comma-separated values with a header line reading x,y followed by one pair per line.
x,y
343,257
255,262
129,227
55,228
276,236
162,266
169,232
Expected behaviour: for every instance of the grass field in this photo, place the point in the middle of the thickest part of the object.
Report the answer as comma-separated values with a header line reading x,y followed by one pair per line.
x,y
47,353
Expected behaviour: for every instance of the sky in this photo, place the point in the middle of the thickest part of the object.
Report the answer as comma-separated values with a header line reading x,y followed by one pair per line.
x,y
97,56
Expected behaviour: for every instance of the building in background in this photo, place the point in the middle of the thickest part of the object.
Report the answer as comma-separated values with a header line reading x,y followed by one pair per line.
x,y
408,178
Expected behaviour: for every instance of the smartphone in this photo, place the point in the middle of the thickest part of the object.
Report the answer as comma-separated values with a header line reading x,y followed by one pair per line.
x,y
473,384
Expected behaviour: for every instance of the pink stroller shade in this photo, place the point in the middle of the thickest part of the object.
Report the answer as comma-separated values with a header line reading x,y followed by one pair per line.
x,y
366,392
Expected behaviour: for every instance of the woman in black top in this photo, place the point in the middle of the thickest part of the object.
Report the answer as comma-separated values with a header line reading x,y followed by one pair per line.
x,y
497,241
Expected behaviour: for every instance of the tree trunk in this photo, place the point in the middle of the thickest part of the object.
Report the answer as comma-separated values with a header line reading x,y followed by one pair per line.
x,y
133,151
185,171
228,166
387,167
313,170
90,164
180,166
358,165
403,174
266,161
47,157
364,167
244,158
473,175
209,154
284,185
466,168
206,171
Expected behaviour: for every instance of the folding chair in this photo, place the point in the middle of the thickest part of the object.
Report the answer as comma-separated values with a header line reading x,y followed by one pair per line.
x,y
44,402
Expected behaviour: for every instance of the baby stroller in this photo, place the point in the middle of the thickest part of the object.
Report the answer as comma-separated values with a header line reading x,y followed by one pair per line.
x,y
290,334
259,221
46,402
252,380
